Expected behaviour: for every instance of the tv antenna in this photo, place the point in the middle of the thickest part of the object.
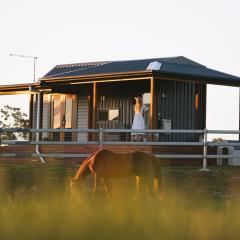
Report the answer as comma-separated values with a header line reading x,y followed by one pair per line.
x,y
34,62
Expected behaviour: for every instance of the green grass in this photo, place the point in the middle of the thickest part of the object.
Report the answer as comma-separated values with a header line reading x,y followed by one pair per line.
x,y
35,204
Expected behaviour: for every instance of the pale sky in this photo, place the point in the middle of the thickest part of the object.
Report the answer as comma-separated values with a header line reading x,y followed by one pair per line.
x,y
57,32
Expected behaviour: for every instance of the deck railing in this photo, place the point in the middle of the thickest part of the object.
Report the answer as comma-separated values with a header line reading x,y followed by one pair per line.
x,y
101,137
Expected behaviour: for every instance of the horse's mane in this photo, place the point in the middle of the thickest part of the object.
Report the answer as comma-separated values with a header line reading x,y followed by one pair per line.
x,y
82,171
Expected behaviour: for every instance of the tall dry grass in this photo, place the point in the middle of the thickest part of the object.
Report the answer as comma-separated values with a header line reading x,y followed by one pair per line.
x,y
31,213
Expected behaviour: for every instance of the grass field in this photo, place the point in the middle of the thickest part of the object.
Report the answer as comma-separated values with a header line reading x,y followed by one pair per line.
x,y
35,204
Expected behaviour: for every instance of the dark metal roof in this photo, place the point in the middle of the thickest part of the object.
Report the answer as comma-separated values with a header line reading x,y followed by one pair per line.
x,y
204,72
112,66
172,66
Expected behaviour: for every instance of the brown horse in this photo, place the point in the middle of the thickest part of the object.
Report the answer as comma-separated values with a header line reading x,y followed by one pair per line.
x,y
105,165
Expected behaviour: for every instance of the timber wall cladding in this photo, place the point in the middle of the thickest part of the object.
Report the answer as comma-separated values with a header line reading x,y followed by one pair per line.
x,y
123,103
82,116
46,113
126,111
202,106
121,95
176,101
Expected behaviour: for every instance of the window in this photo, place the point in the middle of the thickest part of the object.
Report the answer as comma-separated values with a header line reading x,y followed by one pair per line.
x,y
68,112
113,115
108,114
57,113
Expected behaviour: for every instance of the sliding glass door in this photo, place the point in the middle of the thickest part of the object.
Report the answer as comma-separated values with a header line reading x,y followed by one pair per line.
x,y
63,115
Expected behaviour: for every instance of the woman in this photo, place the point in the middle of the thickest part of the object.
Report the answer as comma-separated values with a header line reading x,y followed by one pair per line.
x,y
138,121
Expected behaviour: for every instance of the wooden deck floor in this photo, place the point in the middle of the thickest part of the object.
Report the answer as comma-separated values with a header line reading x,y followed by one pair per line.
x,y
23,153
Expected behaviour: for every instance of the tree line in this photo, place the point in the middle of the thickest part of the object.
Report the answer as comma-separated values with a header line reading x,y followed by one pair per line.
x,y
13,117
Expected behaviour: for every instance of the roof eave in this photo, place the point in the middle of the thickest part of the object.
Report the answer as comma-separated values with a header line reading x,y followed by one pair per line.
x,y
98,77
17,88
235,82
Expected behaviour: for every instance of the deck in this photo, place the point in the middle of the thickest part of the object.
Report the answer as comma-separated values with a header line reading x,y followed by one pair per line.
x,y
27,153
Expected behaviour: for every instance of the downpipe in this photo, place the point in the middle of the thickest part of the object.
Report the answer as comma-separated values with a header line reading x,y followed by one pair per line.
x,y
38,153
38,127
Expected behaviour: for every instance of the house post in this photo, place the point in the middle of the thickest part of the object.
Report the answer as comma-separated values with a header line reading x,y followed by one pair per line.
x,y
30,114
39,99
94,107
41,110
152,110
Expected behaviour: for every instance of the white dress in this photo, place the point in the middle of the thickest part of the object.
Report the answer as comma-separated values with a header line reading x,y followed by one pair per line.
x,y
138,121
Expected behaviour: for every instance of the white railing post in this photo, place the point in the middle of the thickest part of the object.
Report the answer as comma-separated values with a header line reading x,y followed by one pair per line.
x,y
204,168
100,138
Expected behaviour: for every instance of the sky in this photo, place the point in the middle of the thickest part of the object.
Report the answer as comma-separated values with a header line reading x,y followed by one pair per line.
x,y
72,31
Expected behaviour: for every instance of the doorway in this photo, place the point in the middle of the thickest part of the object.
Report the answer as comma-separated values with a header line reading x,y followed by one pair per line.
x,y
63,115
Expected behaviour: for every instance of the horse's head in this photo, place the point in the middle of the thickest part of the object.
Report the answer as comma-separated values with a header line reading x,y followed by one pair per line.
x,y
80,189
72,187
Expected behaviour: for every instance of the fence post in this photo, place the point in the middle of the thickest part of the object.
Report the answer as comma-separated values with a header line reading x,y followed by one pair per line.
x,y
204,168
100,138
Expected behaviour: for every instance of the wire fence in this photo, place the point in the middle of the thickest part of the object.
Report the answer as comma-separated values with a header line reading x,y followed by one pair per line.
x,y
122,137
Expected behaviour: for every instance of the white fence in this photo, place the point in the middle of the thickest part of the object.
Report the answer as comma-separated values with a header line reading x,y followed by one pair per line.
x,y
131,137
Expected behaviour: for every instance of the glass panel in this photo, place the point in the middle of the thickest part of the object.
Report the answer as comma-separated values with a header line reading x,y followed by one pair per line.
x,y
113,115
56,113
68,115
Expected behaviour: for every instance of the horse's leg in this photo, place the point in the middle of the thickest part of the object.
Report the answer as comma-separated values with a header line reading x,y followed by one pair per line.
x,y
106,187
158,187
148,181
137,186
155,185
94,185
148,189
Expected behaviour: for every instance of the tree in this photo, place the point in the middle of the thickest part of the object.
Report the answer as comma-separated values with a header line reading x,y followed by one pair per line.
x,y
12,117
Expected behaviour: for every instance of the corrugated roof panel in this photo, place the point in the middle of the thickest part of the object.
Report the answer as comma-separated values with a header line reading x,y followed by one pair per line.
x,y
67,68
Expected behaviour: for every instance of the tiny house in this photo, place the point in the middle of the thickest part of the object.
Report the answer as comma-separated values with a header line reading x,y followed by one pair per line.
x,y
101,95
